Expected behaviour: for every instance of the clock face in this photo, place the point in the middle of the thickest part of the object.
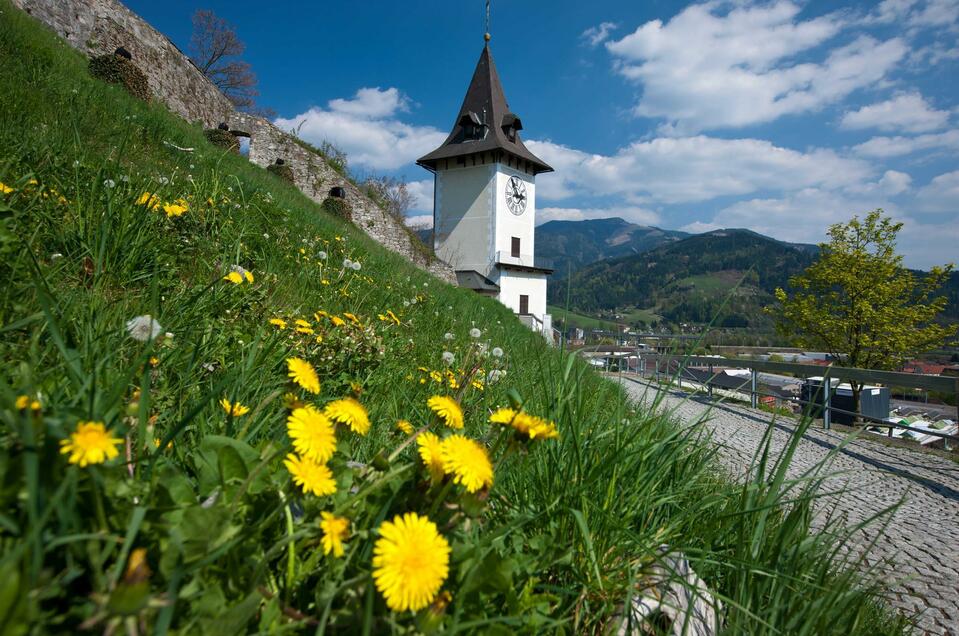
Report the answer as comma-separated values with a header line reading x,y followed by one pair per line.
x,y
516,195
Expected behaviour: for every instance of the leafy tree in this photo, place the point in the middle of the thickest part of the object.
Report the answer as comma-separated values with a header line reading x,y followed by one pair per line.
x,y
214,46
858,302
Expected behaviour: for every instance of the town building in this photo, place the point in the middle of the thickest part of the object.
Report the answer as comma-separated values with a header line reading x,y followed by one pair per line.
x,y
484,201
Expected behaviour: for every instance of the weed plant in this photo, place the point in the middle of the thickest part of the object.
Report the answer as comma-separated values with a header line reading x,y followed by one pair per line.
x,y
158,291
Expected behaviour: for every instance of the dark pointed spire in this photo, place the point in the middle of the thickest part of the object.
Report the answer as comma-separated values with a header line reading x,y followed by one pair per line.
x,y
484,122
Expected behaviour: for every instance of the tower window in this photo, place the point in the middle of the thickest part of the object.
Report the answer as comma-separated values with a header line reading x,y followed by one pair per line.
x,y
472,126
514,247
511,125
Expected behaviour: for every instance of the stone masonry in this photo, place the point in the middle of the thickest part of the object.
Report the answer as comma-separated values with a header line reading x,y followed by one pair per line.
x,y
98,27
866,478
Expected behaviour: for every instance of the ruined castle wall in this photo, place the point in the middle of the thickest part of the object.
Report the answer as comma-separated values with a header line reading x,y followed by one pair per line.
x,y
98,27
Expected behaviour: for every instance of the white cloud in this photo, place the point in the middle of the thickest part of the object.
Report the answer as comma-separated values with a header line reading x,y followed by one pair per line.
x,y
916,13
885,147
907,112
941,195
420,221
890,184
691,169
708,69
422,192
367,129
594,36
636,215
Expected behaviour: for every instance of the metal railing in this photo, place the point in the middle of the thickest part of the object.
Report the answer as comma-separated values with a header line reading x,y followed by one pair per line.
x,y
679,368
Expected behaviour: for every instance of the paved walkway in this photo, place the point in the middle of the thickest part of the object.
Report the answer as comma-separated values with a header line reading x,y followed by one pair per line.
x,y
923,535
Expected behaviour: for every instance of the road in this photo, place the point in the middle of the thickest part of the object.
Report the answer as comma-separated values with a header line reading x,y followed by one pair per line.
x,y
922,538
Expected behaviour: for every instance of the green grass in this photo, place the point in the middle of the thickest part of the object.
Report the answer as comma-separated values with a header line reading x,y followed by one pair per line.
x,y
558,543
573,319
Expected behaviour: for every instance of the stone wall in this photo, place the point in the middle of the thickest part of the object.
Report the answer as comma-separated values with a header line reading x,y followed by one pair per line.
x,y
98,27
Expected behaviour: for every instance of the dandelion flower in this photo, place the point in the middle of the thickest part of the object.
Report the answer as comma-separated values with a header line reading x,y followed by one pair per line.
x,y
311,476
352,318
467,461
347,263
279,323
405,427
235,409
175,209
350,412
447,409
497,352
337,321
355,266
312,433
392,316
5,189
530,425
234,278
321,255
143,328
448,357
109,183
90,443
335,529
475,333
447,336
149,200
410,562
431,452
303,374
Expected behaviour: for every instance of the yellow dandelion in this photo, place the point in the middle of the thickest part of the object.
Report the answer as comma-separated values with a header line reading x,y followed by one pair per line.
x,y
303,374
23,402
234,277
337,321
447,409
431,452
90,443
248,275
306,330
392,317
149,200
382,318
476,384
235,409
530,425
299,322
335,529
291,401
320,315
467,461
410,562
279,323
175,209
5,189
311,476
352,318
436,376
350,412
405,427
312,433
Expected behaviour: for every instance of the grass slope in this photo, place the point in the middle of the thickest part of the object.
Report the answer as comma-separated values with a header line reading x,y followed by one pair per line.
x,y
196,526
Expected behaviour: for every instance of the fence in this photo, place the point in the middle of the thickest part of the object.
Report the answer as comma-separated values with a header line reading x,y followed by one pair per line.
x,y
680,368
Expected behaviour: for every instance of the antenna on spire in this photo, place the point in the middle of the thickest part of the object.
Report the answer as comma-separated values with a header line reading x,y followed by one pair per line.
x,y
486,36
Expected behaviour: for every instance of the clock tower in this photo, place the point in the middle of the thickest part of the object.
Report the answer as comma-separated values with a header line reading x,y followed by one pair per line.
x,y
484,201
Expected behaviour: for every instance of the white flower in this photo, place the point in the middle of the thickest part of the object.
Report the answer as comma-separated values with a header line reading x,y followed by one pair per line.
x,y
125,179
497,352
192,166
447,336
321,255
143,328
406,303
168,335
347,263
236,206
426,284
164,180
475,333
239,270
55,256
109,183
494,375
448,357
356,266
412,301
265,235
76,163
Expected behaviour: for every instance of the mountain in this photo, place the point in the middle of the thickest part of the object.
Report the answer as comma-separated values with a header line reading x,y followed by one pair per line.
x,y
689,279
574,244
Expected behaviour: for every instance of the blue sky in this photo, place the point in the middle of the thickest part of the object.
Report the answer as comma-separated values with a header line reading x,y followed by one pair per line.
x,y
782,117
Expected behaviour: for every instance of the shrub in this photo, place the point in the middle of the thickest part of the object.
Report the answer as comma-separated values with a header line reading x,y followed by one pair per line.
x,y
223,139
338,207
118,70
281,170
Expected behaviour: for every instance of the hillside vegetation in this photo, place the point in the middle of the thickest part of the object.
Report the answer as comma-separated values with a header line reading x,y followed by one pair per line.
x,y
726,274
162,472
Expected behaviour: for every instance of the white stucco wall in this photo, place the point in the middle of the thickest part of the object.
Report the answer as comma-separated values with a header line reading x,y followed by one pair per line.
x,y
508,225
512,284
463,217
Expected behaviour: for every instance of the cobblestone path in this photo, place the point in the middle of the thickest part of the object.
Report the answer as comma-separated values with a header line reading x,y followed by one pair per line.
x,y
923,535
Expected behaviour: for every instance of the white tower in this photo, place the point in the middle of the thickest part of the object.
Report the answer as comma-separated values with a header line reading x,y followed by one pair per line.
x,y
484,201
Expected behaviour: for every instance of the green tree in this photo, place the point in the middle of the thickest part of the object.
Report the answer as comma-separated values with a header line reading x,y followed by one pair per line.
x,y
858,303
